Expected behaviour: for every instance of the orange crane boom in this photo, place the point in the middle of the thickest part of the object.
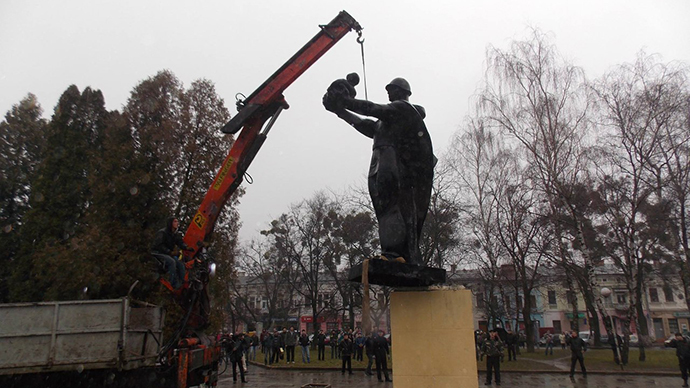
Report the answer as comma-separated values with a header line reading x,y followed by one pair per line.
x,y
264,104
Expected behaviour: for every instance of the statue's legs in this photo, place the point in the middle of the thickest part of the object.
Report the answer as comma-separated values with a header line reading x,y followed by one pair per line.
x,y
395,207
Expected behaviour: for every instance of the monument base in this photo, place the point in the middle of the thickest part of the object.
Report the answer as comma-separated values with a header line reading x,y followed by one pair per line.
x,y
432,336
395,274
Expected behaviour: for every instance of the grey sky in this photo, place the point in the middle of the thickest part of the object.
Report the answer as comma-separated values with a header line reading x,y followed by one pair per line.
x,y
439,46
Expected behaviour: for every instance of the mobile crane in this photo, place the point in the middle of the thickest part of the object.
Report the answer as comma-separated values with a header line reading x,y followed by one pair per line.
x,y
195,357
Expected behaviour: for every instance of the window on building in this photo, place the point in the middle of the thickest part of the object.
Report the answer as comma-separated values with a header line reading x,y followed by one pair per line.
x,y
621,299
668,293
533,301
570,297
552,297
557,326
519,301
673,325
480,301
264,303
507,303
653,295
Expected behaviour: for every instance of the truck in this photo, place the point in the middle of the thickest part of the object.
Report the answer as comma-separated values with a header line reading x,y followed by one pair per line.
x,y
64,341
122,344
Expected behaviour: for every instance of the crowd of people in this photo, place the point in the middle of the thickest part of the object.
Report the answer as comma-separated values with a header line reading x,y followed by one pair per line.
x,y
278,346
492,344
556,340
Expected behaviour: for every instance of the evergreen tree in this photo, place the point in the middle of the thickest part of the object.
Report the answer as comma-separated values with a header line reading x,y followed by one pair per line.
x,y
21,145
153,113
116,243
59,197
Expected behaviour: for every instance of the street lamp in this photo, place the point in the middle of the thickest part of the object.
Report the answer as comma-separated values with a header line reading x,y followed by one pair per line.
x,y
606,292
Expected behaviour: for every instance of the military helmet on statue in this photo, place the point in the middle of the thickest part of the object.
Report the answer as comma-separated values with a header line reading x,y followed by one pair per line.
x,y
401,83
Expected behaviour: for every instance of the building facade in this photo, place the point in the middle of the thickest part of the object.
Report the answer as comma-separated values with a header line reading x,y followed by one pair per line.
x,y
664,305
260,304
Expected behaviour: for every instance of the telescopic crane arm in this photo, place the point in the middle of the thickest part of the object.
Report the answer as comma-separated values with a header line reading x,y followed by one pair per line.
x,y
197,363
264,104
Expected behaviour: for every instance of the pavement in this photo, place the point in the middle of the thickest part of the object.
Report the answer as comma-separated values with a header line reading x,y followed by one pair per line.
x,y
273,378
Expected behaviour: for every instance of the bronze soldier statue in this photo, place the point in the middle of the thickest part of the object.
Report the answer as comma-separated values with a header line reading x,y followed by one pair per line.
x,y
402,163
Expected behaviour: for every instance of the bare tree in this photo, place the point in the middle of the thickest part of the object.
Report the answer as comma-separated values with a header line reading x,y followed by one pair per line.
x,y
542,101
672,167
263,292
477,161
352,241
302,236
380,306
640,103
522,230
440,240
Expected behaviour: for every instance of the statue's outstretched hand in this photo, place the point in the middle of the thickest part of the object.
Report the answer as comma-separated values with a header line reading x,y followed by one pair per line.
x,y
332,102
337,91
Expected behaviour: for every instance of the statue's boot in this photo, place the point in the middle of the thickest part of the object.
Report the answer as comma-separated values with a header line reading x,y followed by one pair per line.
x,y
399,259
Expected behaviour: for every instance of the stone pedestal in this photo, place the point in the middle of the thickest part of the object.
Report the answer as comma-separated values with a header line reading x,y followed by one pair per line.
x,y
433,339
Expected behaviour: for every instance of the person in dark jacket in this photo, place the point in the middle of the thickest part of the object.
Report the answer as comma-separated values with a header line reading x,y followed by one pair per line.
x,y
304,344
548,340
492,348
381,354
333,342
511,344
347,347
321,345
238,348
267,345
262,340
683,353
290,338
359,347
577,347
277,346
164,244
254,339
341,335
369,350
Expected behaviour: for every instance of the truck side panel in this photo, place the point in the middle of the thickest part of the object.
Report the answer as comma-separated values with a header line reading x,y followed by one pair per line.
x,y
75,335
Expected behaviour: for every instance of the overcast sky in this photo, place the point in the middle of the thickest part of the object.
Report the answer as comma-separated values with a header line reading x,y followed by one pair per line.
x,y
438,46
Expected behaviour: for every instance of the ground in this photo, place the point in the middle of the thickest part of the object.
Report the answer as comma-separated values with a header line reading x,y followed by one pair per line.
x,y
532,370
658,360
274,378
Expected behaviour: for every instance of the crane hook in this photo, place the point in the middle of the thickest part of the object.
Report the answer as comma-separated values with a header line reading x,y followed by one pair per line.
x,y
360,40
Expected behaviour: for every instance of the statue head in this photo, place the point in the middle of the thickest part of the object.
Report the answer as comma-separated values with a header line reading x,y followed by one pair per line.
x,y
398,89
